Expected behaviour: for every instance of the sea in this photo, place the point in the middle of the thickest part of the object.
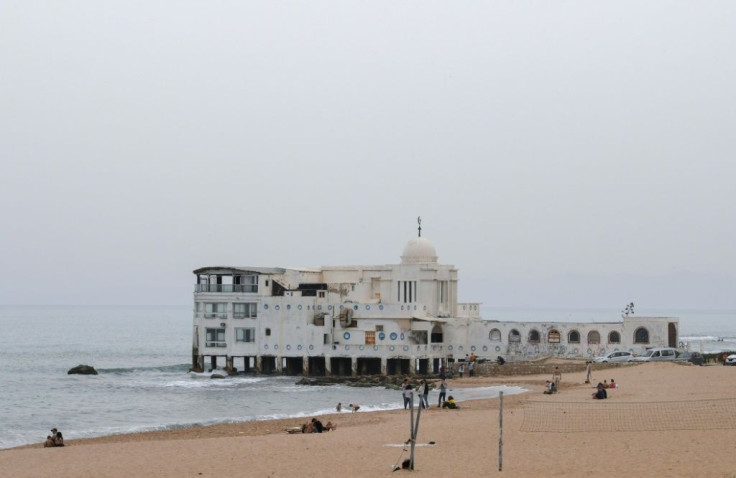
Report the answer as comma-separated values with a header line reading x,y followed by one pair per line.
x,y
143,355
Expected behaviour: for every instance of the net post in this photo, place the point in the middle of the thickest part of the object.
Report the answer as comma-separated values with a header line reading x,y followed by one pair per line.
x,y
500,431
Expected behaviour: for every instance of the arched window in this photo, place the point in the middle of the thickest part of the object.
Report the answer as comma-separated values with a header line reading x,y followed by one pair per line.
x,y
614,338
436,336
594,337
514,336
495,335
573,337
641,336
533,336
553,337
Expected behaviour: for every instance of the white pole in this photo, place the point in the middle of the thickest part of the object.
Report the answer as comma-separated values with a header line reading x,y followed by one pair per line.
x,y
500,431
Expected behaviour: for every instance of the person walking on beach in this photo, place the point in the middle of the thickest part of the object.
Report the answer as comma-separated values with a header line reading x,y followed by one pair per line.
x,y
461,369
443,392
588,371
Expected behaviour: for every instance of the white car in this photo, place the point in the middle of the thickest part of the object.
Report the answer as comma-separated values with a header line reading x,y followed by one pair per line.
x,y
620,356
664,354
730,360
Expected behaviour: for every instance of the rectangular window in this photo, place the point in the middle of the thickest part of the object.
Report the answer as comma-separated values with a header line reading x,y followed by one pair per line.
x,y
246,283
247,335
268,332
379,328
215,337
370,338
215,310
245,311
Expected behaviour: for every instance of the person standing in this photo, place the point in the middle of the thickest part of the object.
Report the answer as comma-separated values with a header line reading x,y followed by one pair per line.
x,y
471,368
407,396
557,377
588,372
425,394
443,392
461,369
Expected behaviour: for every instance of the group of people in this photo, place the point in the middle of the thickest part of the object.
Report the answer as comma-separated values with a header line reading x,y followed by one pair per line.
x,y
55,439
422,390
470,360
354,407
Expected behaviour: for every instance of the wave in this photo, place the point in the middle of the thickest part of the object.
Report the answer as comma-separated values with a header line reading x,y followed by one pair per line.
x,y
183,368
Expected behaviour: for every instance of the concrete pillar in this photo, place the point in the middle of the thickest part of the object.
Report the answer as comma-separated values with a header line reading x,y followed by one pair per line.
x,y
328,365
384,366
412,365
353,366
200,362
305,365
229,364
258,364
279,364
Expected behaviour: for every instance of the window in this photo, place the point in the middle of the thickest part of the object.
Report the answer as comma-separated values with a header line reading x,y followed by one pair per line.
x,y
245,335
614,338
594,337
215,337
215,310
573,337
533,336
553,337
409,289
246,283
370,338
641,336
268,332
514,336
495,335
321,294
245,311
379,328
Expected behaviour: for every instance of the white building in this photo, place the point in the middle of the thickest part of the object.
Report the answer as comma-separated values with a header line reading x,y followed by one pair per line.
x,y
384,319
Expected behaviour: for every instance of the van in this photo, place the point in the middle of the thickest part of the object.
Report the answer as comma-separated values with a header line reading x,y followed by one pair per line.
x,y
661,354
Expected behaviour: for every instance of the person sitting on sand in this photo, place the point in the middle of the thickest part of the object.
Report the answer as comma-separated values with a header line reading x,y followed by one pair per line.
x,y
450,403
329,426
613,384
354,407
548,387
308,428
605,383
55,439
317,426
600,394
59,440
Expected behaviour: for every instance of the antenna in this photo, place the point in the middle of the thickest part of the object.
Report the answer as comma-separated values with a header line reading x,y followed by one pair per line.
x,y
419,221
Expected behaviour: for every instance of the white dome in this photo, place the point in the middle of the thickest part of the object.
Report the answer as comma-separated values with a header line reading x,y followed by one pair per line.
x,y
419,251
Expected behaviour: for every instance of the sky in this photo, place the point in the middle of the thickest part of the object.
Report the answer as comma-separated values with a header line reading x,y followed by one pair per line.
x,y
560,153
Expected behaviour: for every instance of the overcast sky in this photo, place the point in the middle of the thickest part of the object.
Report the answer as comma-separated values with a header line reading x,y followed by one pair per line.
x,y
560,153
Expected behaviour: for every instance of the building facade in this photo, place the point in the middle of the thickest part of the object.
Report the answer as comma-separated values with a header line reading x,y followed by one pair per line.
x,y
386,319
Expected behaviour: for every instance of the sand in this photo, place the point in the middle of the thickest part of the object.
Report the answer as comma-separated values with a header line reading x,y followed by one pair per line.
x,y
466,439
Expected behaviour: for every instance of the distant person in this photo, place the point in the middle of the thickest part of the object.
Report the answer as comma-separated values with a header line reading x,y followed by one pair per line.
x,y
318,426
354,407
471,368
59,440
442,373
605,383
557,377
500,360
425,394
548,387
450,403
55,439
600,393
407,396
473,357
461,370
329,426
338,407
443,392
588,372
613,384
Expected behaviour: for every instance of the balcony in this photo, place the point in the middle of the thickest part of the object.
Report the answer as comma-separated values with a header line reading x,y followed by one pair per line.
x,y
246,288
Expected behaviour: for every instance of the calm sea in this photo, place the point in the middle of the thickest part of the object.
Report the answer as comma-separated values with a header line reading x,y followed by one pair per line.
x,y
142,355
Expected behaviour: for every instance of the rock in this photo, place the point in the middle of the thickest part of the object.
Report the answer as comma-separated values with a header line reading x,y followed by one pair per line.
x,y
218,374
82,370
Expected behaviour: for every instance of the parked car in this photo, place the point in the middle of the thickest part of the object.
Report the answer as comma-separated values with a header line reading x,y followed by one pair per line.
x,y
695,358
730,360
620,356
663,354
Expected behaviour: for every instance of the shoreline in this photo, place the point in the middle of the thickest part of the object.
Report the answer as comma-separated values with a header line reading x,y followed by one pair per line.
x,y
466,439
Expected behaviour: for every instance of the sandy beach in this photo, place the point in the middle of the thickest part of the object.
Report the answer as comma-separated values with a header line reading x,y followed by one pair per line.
x,y
682,424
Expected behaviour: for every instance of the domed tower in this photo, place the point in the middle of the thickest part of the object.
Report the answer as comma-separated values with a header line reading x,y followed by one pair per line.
x,y
419,250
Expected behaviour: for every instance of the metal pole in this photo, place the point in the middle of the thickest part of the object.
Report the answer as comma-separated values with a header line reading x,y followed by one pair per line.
x,y
500,431
411,429
414,435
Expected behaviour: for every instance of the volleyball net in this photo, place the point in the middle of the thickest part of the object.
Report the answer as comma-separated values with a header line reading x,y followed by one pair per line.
x,y
598,415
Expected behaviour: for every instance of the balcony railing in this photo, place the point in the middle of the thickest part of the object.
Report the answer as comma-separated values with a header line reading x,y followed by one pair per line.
x,y
215,315
248,288
216,344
